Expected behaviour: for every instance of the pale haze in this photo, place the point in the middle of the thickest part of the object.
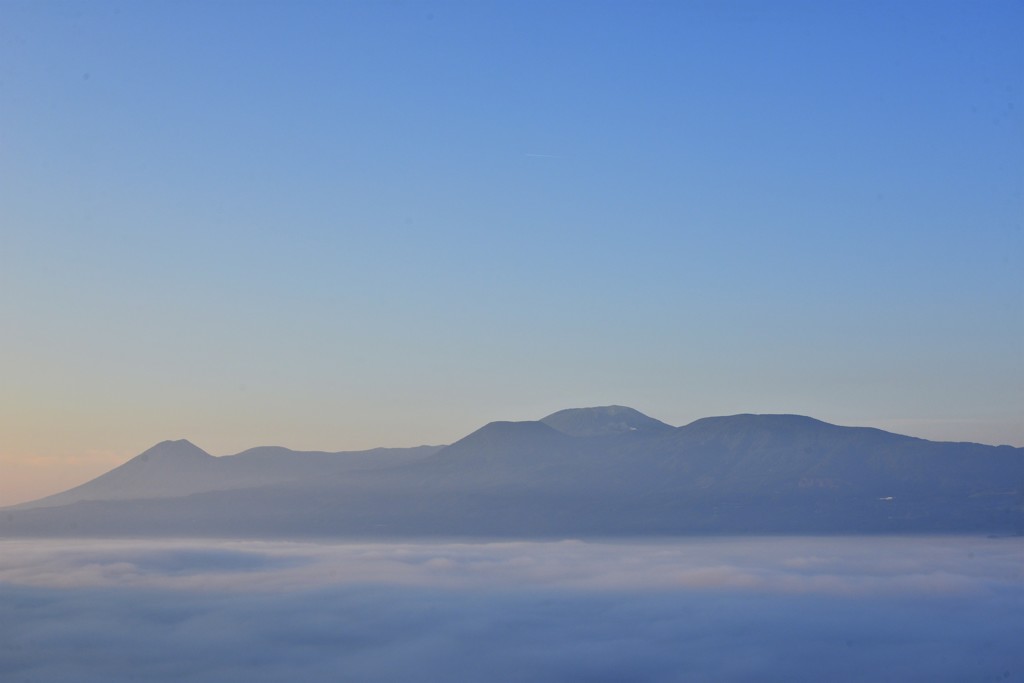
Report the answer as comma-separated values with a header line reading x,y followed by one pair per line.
x,y
335,226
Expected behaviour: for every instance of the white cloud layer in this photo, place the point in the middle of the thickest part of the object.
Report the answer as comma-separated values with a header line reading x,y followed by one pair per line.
x,y
707,609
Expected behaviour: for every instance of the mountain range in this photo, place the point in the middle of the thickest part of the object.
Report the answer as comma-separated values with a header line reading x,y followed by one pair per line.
x,y
606,471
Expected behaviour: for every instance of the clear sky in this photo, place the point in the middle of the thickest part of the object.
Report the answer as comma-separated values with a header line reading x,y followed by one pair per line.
x,y
341,225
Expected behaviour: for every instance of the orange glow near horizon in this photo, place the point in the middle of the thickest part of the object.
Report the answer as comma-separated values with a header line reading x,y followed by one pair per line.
x,y
31,477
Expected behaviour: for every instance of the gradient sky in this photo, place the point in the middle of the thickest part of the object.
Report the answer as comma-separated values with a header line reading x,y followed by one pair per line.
x,y
342,225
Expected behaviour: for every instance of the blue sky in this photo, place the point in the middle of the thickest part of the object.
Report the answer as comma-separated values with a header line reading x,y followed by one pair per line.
x,y
342,225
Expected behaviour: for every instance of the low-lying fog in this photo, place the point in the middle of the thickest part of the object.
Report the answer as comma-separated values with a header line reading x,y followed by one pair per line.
x,y
736,609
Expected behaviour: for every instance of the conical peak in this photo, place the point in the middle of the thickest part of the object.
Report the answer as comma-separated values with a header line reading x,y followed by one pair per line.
x,y
602,421
180,449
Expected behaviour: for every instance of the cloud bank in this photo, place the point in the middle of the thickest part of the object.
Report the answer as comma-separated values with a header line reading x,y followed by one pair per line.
x,y
937,609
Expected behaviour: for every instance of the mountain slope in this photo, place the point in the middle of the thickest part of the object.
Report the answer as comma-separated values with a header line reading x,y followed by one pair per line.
x,y
170,468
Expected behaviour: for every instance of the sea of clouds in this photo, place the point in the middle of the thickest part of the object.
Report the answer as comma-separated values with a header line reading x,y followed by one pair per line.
x,y
735,609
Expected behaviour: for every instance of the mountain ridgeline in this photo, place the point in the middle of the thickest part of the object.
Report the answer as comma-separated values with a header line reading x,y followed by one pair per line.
x,y
609,471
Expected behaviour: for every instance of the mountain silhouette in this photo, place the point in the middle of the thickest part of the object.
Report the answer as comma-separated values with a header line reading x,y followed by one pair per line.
x,y
606,471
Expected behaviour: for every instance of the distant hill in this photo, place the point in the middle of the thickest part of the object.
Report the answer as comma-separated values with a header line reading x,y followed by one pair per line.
x,y
607,471
178,468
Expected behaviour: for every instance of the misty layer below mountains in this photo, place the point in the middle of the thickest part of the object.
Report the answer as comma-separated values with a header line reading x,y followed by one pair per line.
x,y
608,471
800,610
